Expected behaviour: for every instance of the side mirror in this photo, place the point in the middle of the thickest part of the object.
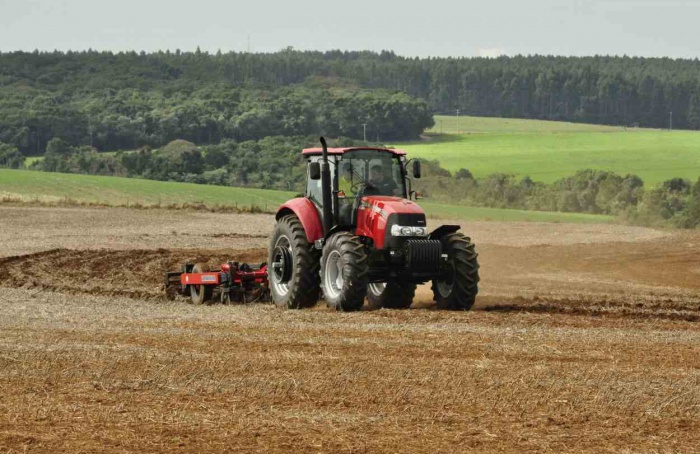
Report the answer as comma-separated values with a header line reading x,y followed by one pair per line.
x,y
416,169
315,170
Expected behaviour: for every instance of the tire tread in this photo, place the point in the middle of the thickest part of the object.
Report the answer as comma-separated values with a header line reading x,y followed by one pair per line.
x,y
352,297
304,288
465,286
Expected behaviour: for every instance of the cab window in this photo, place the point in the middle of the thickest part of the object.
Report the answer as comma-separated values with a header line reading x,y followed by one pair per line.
x,y
313,187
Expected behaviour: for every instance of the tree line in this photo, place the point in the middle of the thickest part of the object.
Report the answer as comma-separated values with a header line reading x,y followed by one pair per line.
x,y
675,202
129,118
276,163
127,100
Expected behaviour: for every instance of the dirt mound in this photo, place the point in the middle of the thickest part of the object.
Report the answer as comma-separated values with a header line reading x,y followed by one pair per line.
x,y
132,273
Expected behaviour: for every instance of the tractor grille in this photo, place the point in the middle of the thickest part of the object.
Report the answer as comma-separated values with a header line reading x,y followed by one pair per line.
x,y
405,219
423,255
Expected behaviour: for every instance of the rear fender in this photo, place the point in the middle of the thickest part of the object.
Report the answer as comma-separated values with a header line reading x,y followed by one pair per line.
x,y
306,211
443,230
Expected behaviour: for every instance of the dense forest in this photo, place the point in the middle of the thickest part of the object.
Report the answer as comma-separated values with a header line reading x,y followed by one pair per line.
x,y
128,118
127,100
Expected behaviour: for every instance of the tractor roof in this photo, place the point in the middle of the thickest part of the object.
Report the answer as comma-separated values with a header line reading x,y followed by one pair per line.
x,y
313,151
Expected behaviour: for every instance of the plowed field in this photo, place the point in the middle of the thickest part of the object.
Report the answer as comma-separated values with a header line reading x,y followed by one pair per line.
x,y
585,338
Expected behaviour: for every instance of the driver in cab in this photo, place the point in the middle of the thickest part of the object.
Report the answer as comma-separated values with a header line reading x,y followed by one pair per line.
x,y
384,185
346,192
345,182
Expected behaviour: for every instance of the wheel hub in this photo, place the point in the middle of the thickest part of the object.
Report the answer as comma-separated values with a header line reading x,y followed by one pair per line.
x,y
333,275
282,266
444,285
377,288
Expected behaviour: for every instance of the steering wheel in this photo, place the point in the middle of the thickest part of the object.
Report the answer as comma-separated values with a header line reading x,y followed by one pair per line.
x,y
356,187
361,188
370,189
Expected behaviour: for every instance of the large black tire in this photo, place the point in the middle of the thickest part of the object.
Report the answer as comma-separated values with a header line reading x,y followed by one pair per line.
x,y
201,294
458,291
295,286
392,295
344,272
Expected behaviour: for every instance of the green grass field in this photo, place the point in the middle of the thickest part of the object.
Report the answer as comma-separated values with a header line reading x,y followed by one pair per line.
x,y
55,187
47,186
32,159
463,125
547,151
446,211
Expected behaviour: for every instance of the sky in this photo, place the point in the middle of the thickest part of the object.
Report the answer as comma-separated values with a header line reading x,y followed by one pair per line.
x,y
438,28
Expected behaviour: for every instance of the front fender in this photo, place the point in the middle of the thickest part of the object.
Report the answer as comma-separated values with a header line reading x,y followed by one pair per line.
x,y
306,211
442,231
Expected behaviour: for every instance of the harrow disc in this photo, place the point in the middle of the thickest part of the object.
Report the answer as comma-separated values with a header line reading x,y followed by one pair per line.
x,y
200,294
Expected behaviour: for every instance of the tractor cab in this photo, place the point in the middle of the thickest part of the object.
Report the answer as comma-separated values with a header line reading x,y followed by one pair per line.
x,y
360,178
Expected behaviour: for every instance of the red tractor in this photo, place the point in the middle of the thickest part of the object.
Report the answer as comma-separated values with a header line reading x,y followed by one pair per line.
x,y
356,233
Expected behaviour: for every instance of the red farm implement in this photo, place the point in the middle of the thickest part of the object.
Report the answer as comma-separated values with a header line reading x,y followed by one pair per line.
x,y
238,282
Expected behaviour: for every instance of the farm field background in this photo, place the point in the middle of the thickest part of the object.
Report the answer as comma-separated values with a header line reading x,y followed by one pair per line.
x,y
547,150
115,191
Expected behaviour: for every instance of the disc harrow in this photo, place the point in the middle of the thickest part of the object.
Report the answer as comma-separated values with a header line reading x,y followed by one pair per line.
x,y
233,282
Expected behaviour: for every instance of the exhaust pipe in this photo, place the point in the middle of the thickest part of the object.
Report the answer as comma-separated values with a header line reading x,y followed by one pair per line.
x,y
326,189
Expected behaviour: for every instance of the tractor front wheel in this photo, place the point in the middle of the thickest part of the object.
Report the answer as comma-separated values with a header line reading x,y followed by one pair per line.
x,y
458,288
391,295
293,264
344,272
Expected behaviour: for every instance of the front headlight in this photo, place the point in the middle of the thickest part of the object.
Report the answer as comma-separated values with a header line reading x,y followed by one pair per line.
x,y
398,230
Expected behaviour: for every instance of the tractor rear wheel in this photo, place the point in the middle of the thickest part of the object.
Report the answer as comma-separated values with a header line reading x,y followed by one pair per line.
x,y
457,290
344,272
391,295
293,265
201,294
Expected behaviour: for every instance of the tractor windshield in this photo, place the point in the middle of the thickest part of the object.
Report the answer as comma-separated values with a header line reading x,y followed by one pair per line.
x,y
371,172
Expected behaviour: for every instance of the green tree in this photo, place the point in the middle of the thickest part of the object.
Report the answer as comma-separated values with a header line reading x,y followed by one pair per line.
x,y
10,157
58,147
464,174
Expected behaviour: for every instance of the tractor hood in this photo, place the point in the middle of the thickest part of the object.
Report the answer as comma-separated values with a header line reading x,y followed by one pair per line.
x,y
376,215
386,205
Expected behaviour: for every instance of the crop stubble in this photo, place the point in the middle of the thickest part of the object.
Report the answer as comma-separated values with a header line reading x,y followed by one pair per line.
x,y
587,339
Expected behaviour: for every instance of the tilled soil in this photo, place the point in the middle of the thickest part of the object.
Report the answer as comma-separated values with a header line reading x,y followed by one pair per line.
x,y
136,273
82,373
26,230
583,339
601,270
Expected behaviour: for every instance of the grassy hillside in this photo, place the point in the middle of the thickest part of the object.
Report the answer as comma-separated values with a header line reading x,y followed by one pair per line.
x,y
47,186
446,211
54,187
547,151
453,125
